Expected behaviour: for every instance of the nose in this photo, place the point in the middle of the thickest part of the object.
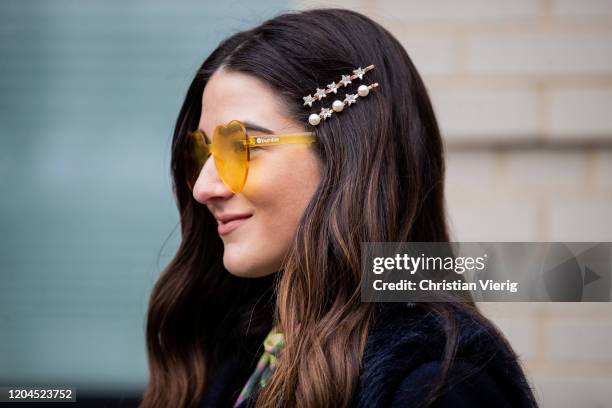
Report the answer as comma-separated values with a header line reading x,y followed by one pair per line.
x,y
209,186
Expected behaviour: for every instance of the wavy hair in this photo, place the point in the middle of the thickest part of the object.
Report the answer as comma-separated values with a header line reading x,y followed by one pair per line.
x,y
382,180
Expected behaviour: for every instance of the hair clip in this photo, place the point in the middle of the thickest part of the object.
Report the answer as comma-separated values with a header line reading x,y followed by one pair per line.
x,y
333,87
338,105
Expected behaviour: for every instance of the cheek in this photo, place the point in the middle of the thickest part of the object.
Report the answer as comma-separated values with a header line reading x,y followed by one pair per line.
x,y
279,186
278,189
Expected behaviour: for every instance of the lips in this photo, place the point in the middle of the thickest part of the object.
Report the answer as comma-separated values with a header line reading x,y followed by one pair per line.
x,y
229,222
224,218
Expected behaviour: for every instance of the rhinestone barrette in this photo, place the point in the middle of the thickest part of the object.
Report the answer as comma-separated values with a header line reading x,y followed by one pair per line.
x,y
338,105
333,87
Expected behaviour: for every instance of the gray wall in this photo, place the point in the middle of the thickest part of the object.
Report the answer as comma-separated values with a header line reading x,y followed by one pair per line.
x,y
89,92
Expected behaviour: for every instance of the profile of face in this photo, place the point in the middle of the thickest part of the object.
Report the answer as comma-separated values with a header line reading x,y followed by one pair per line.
x,y
258,224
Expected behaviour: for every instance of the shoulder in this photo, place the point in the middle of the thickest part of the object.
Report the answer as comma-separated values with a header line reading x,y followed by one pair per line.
x,y
405,349
468,386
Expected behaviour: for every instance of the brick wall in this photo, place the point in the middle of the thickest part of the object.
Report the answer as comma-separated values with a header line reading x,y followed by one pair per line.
x,y
523,94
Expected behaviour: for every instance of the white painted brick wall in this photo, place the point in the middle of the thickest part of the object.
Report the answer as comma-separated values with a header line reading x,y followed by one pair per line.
x,y
478,114
580,220
540,54
603,170
433,55
547,172
479,169
479,220
582,8
574,391
579,111
580,340
476,10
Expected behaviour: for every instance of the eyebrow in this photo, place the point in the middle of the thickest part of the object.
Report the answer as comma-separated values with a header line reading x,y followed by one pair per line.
x,y
256,128
248,126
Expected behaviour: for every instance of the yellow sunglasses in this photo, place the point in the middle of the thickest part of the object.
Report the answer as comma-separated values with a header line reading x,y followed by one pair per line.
x,y
230,148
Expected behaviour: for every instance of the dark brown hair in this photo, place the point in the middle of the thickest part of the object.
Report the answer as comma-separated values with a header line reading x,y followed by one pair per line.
x,y
382,180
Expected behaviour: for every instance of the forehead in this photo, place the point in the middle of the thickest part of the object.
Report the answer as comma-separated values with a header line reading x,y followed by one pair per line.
x,y
232,95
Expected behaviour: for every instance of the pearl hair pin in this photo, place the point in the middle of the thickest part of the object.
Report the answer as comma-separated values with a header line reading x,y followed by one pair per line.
x,y
338,105
333,87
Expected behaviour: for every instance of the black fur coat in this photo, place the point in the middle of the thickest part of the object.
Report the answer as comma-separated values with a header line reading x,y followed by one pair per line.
x,y
403,360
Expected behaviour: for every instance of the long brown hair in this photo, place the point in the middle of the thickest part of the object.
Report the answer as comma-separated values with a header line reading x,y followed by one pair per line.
x,y
382,180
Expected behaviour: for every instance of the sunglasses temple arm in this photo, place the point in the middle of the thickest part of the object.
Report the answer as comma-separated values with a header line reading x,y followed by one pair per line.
x,y
299,138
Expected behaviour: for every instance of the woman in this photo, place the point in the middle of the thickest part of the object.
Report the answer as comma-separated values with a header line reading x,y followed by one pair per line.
x,y
272,225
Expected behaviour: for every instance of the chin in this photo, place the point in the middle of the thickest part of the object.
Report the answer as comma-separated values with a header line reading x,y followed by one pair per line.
x,y
244,269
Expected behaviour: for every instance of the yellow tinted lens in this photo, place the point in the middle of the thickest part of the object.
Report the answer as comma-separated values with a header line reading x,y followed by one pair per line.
x,y
231,155
195,155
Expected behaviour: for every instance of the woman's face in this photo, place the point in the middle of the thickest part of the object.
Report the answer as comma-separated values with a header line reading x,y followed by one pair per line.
x,y
280,182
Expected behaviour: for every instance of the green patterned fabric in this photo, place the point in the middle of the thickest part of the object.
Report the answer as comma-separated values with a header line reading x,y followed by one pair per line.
x,y
273,344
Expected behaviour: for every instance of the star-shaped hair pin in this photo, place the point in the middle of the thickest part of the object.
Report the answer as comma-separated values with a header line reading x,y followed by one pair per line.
x,y
326,113
333,87
346,79
359,72
320,94
308,100
338,106
350,99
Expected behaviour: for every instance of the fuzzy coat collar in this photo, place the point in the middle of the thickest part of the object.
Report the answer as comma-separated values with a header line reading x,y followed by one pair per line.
x,y
405,336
